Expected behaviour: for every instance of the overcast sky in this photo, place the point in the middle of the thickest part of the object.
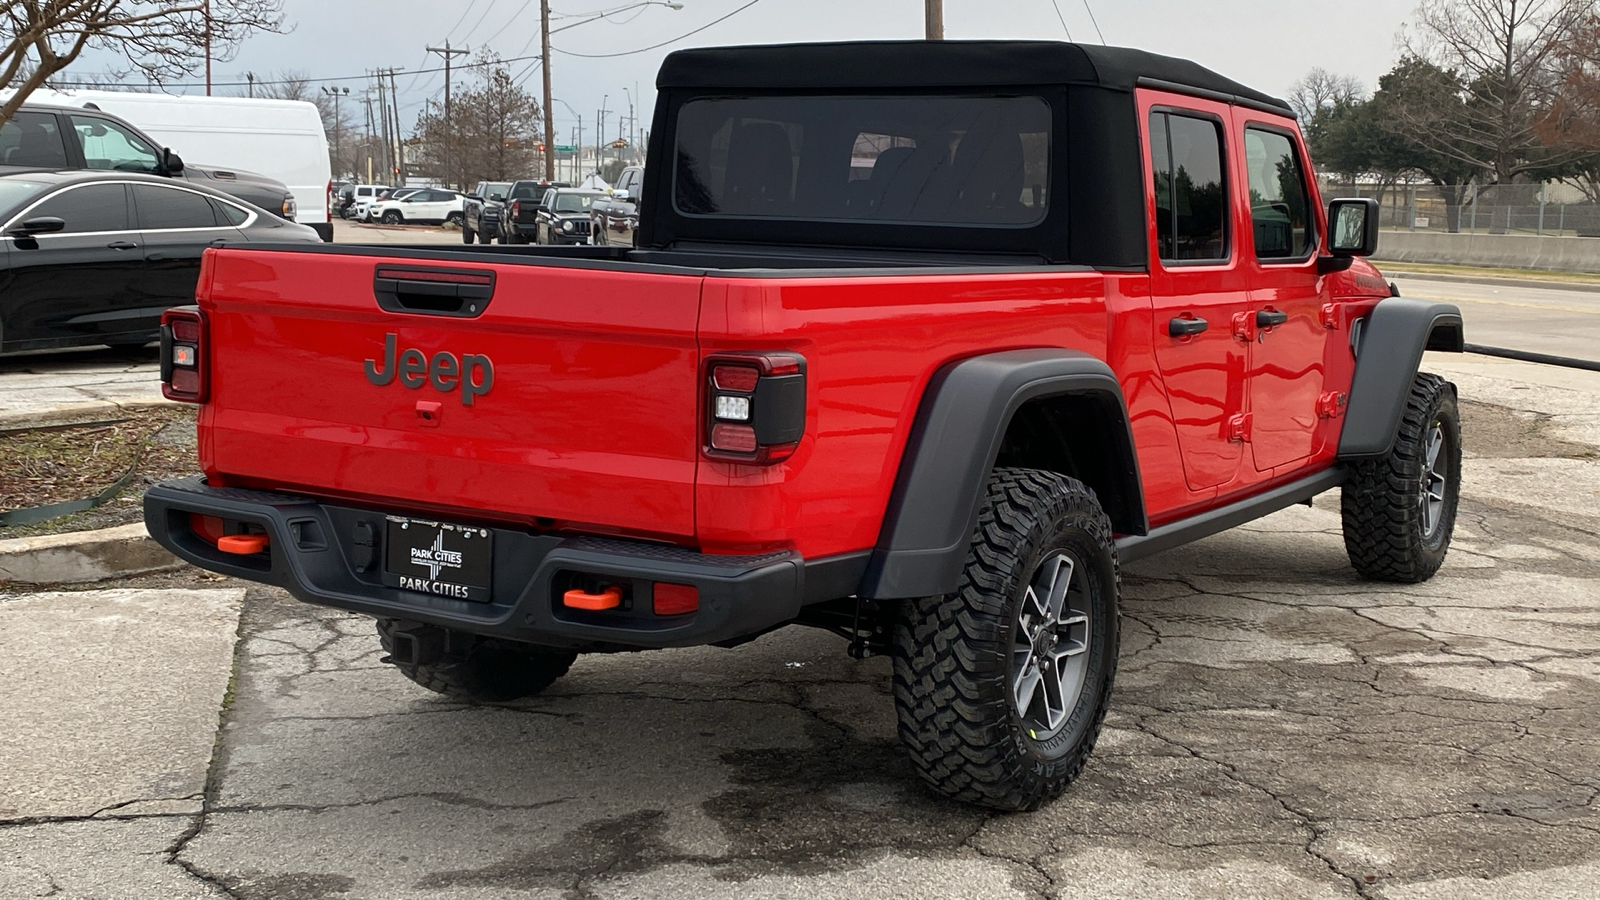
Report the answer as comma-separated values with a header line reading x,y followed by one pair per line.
x,y
1267,44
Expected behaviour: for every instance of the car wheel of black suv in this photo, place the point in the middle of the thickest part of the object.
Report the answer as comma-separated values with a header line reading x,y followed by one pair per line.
x,y
1001,687
489,670
1400,510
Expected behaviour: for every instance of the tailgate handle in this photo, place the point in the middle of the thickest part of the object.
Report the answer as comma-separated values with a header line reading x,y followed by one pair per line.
x,y
463,293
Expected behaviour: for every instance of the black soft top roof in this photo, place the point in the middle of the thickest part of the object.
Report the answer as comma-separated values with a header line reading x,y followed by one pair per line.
x,y
917,64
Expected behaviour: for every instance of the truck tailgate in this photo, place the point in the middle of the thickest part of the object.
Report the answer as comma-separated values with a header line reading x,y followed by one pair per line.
x,y
571,397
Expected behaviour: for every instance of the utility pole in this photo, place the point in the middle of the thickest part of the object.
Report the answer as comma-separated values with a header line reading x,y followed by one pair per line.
x,y
251,78
389,169
549,115
935,16
367,143
447,53
600,135
399,139
208,47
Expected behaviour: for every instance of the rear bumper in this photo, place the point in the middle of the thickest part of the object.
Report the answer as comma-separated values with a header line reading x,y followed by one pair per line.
x,y
313,555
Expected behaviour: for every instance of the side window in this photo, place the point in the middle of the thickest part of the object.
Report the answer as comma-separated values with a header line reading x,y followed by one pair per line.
x,y
233,215
549,199
1190,188
32,139
163,207
91,208
107,145
1279,210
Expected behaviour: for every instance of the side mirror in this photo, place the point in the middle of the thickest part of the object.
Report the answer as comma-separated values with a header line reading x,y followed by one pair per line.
x,y
621,195
171,163
1353,227
37,225
497,198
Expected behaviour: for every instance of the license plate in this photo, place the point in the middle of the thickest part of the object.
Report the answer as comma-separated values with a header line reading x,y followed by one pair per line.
x,y
442,560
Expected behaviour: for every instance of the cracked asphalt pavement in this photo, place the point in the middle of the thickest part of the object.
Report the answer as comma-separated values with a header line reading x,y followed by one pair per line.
x,y
1280,729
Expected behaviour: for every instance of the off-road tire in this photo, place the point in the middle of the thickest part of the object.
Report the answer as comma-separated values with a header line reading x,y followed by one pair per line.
x,y
393,217
485,237
468,236
1386,530
953,654
491,671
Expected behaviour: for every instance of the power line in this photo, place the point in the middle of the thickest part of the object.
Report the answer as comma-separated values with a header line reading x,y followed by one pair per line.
x,y
663,43
464,13
1095,21
1062,18
259,82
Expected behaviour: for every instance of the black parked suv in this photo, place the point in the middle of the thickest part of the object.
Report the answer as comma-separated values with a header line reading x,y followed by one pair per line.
x,y
71,137
481,218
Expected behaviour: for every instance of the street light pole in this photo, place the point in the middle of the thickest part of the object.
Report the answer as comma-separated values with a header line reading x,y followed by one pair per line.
x,y
338,121
208,47
549,115
935,17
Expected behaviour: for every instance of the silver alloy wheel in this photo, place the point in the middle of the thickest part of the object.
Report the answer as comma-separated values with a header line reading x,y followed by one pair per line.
x,y
1433,481
1049,656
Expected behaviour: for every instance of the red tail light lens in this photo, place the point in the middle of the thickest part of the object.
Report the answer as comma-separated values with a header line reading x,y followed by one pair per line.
x,y
183,355
755,407
675,599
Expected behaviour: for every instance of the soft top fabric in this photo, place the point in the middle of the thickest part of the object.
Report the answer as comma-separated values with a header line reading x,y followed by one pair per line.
x,y
934,64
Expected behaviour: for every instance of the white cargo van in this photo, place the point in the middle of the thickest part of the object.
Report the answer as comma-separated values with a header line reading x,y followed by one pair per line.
x,y
281,139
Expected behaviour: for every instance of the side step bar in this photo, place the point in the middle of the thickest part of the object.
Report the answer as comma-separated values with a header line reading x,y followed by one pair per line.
x,y
1208,523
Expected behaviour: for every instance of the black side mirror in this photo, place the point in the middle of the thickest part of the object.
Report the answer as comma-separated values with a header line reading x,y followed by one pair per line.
x,y
1353,227
37,225
171,163
497,198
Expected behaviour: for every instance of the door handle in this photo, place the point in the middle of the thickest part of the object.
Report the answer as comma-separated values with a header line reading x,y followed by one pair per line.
x,y
1267,318
122,245
1186,326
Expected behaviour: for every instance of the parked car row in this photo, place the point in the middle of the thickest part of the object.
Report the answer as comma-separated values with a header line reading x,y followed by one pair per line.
x,y
400,205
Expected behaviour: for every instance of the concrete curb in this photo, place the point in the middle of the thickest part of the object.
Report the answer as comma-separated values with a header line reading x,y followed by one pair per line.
x,y
1490,279
80,557
88,410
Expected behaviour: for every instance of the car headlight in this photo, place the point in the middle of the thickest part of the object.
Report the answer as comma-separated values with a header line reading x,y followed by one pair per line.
x,y
567,226
289,208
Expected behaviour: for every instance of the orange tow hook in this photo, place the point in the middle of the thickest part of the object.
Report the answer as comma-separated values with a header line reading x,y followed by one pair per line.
x,y
242,544
610,598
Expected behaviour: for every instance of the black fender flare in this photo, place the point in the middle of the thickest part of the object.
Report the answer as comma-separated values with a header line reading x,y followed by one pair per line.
x,y
1388,352
953,444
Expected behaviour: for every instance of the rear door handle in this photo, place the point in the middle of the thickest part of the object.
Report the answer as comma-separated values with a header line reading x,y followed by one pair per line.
x,y
122,245
1186,326
1267,318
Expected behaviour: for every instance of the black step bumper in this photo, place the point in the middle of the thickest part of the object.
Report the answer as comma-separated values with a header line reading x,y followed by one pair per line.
x,y
314,555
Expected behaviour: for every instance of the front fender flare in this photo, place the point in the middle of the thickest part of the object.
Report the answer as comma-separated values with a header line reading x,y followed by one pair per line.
x,y
954,442
1388,353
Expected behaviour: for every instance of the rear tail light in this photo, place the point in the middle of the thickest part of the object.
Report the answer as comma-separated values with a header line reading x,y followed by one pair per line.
x,y
183,355
327,201
755,407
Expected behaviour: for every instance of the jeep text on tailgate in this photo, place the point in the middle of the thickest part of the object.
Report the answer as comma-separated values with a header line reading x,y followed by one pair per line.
x,y
917,343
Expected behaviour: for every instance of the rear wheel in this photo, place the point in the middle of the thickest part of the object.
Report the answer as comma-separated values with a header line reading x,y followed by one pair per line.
x,y
488,669
455,218
1399,511
484,237
1001,687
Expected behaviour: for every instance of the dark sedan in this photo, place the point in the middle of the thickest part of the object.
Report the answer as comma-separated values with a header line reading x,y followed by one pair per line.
x,y
95,258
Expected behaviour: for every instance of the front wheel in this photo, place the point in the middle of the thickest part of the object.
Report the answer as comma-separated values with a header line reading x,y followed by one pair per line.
x,y
1399,511
467,234
1001,687
393,217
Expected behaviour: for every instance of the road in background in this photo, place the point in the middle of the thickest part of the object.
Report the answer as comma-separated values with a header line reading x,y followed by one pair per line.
x,y
1517,315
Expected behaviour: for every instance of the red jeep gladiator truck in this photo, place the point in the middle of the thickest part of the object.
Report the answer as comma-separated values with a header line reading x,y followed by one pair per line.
x,y
918,343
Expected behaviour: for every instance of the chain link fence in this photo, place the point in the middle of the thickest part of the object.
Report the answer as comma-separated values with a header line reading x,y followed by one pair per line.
x,y
1519,210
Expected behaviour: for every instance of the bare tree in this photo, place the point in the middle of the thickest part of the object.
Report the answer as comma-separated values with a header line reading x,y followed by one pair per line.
x,y
160,39
1320,90
492,132
1503,55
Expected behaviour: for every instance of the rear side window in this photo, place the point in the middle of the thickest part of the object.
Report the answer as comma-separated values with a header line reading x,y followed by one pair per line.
x,y
918,160
32,139
91,208
164,207
233,215
1279,208
1190,189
